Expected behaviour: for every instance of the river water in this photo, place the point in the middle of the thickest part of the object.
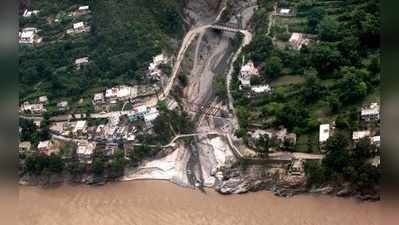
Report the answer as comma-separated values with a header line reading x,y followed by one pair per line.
x,y
162,203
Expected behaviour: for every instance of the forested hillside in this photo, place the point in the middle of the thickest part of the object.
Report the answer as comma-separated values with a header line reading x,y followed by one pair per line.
x,y
124,36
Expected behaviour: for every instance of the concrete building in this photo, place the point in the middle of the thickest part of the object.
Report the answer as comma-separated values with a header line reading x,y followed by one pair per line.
x,y
284,12
371,112
29,36
43,99
246,72
79,27
62,106
32,108
150,116
24,147
46,148
84,8
28,13
80,127
357,135
260,89
297,40
324,133
376,140
85,151
297,167
99,98
80,62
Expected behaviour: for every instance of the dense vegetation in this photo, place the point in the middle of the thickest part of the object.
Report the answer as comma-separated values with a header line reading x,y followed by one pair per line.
x,y
125,35
327,80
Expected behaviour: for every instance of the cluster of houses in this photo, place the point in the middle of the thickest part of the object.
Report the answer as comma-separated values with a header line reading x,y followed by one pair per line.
x,y
115,94
369,113
29,35
35,108
153,69
248,71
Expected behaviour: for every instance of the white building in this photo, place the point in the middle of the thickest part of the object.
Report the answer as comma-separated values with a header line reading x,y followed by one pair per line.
x,y
62,106
153,69
43,99
151,115
28,13
32,108
259,89
371,112
121,93
297,40
376,140
24,146
81,61
357,135
83,8
324,133
80,126
246,72
46,148
29,36
79,27
98,98
285,12
85,151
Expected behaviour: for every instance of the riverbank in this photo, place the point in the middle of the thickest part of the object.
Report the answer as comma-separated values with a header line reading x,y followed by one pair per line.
x,y
156,202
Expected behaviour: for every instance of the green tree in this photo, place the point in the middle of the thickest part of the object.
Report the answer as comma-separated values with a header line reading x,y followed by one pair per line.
x,y
274,66
98,166
329,29
312,89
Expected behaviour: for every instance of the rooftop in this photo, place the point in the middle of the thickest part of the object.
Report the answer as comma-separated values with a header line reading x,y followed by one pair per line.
x,y
324,132
360,134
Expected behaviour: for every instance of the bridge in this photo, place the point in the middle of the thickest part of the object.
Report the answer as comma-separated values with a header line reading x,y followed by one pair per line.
x,y
229,27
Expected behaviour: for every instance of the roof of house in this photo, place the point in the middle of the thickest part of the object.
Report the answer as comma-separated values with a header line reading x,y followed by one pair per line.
x,y
25,144
285,11
78,25
360,134
43,144
85,147
373,109
82,60
80,125
249,69
98,96
62,104
375,139
84,7
261,88
152,115
324,132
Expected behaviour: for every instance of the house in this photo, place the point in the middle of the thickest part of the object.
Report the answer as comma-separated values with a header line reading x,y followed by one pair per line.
x,y
38,123
84,8
371,112
24,147
121,93
357,135
297,167
260,89
29,36
98,98
297,40
153,70
80,127
376,140
43,99
62,106
324,133
85,151
110,149
151,115
79,27
28,13
46,147
284,12
246,72
32,108
81,61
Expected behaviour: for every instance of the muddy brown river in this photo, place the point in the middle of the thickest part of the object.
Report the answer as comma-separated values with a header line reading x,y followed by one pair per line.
x,y
162,203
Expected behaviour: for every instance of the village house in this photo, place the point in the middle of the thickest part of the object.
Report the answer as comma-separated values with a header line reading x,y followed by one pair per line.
x,y
246,72
261,89
150,116
79,27
110,149
371,112
120,93
46,148
357,135
80,62
28,13
38,123
99,98
324,133
85,150
24,147
43,99
297,167
153,70
297,40
81,11
80,127
285,12
26,107
29,36
376,140
62,106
